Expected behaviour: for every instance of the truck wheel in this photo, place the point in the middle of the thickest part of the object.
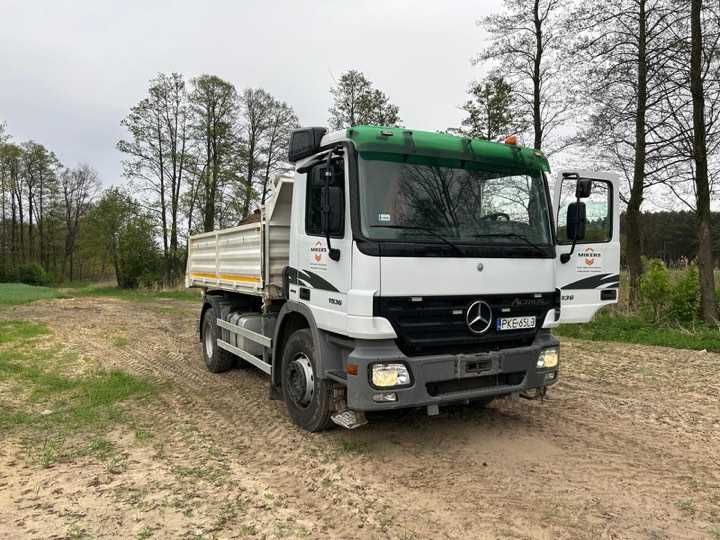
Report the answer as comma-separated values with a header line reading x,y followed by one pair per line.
x,y
307,397
216,359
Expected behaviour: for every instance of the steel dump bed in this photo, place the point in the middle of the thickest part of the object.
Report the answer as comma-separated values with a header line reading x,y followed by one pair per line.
x,y
249,258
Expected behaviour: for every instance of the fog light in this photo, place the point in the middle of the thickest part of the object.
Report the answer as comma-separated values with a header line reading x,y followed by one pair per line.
x,y
550,376
548,358
385,396
387,375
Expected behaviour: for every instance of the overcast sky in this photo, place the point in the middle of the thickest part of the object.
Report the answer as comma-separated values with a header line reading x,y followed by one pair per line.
x,y
70,70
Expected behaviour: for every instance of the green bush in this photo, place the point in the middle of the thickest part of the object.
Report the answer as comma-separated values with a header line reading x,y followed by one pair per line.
x,y
654,290
684,301
32,274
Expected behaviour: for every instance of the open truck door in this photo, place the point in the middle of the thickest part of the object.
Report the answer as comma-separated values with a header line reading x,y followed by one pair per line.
x,y
588,237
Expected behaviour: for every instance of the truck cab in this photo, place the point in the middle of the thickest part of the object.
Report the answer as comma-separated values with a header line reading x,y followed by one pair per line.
x,y
425,269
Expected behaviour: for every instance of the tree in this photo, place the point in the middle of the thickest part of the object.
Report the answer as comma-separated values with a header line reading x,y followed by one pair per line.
x,y
274,147
9,172
39,169
708,300
214,109
157,157
491,110
356,102
125,235
78,187
526,47
257,106
621,46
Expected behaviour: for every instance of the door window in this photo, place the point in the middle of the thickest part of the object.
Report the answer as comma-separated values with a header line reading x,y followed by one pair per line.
x,y
313,198
598,211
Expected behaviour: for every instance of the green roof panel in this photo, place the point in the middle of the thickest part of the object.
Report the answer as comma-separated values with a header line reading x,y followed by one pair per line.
x,y
392,142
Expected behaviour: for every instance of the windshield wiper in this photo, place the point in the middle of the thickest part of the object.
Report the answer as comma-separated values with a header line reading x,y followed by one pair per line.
x,y
425,229
513,235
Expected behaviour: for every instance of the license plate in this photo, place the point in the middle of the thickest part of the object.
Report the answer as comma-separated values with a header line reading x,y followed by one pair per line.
x,y
515,323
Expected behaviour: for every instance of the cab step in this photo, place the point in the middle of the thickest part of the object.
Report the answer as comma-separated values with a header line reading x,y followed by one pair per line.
x,y
349,419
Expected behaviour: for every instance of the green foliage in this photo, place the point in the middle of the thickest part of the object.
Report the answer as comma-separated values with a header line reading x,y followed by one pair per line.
x,y
126,236
610,326
669,298
12,294
654,290
356,102
491,110
32,274
684,299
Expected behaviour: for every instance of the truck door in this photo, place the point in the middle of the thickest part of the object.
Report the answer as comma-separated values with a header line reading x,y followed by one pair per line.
x,y
588,266
324,282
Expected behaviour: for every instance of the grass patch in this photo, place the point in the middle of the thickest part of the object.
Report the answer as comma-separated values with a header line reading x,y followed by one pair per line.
x,y
119,341
610,326
13,294
59,413
135,295
351,446
20,330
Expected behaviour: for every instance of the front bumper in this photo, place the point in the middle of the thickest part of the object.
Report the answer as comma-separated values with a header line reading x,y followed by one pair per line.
x,y
442,379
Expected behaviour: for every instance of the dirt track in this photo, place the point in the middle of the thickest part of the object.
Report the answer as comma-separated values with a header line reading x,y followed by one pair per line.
x,y
627,445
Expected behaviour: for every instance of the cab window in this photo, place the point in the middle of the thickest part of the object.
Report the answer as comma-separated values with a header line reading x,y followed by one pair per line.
x,y
313,198
598,211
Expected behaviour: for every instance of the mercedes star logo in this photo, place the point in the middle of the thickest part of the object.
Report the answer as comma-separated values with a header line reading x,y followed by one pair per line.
x,y
479,317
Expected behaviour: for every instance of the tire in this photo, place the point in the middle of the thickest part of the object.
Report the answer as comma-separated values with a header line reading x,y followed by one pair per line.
x,y
308,401
216,359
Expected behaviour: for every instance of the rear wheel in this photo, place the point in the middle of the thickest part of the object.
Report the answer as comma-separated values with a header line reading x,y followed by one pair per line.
x,y
308,398
216,359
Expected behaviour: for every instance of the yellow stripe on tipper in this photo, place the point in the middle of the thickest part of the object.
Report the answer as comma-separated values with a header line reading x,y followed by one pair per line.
x,y
226,277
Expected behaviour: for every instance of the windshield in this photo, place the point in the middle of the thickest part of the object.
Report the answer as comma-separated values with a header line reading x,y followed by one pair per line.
x,y
402,202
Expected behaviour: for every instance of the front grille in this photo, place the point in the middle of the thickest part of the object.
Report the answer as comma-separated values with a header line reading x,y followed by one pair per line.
x,y
436,324
473,383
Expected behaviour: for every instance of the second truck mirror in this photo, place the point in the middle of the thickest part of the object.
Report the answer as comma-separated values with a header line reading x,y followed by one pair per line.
x,y
576,221
583,188
333,207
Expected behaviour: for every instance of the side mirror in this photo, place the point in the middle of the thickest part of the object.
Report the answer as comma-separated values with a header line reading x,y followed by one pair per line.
x,y
304,143
332,207
576,220
583,188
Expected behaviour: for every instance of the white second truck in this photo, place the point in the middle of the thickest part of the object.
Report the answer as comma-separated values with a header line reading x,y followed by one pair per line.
x,y
402,268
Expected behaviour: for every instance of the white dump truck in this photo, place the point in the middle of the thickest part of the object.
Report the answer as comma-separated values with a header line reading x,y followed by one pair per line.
x,y
403,268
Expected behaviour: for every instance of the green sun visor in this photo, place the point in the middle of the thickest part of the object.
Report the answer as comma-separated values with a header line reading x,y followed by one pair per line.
x,y
439,149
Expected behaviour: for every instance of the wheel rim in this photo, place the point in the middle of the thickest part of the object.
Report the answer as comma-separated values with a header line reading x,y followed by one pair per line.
x,y
208,342
301,380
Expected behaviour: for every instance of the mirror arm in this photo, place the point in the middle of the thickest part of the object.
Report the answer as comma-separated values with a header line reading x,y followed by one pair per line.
x,y
333,253
565,257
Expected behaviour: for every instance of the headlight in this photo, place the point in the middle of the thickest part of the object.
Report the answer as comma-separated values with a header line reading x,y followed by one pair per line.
x,y
388,375
548,358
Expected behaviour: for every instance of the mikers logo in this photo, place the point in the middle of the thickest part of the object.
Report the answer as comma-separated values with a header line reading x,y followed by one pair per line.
x,y
589,260
317,251
590,256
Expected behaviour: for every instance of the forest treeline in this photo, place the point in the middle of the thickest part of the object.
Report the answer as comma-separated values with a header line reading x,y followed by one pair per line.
x,y
631,86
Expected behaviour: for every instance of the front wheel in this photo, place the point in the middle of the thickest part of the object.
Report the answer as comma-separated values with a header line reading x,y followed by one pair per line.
x,y
308,398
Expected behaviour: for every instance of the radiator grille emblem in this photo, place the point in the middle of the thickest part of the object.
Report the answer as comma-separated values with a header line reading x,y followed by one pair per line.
x,y
479,317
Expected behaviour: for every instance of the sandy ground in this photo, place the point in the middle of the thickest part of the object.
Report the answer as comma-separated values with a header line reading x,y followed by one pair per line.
x,y
627,445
